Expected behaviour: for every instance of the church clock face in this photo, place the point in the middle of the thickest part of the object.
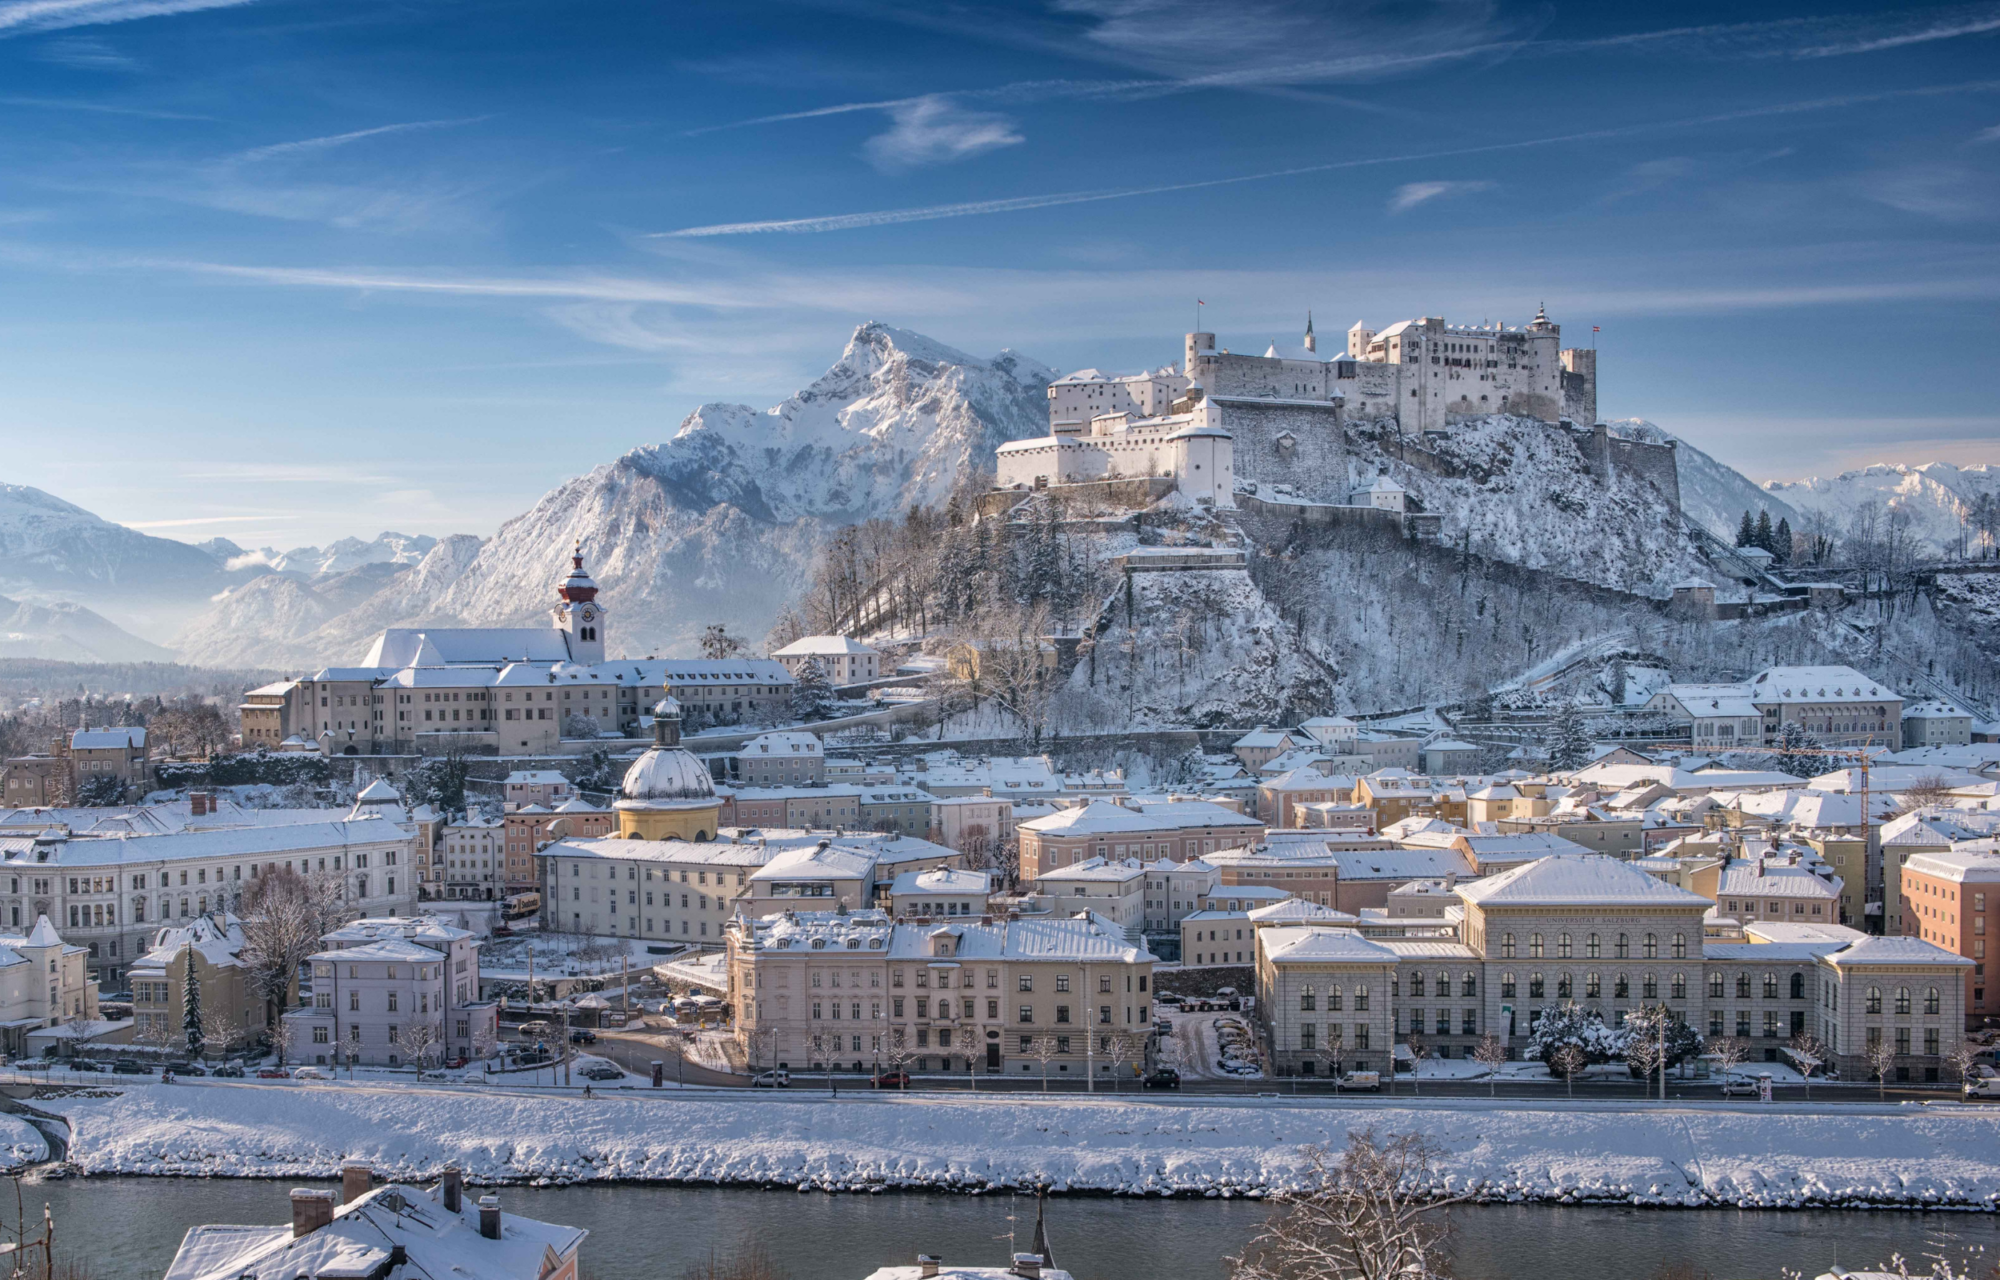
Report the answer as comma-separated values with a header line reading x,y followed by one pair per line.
x,y
589,614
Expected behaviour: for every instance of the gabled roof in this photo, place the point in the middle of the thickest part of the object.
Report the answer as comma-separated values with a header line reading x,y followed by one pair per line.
x,y
1307,943
1577,879
121,738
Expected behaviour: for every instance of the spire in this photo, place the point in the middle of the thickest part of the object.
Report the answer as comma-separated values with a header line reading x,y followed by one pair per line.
x,y
1312,343
578,586
1541,316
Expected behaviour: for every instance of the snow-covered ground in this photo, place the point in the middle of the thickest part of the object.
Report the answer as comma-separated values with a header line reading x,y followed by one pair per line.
x,y
20,1144
1743,1154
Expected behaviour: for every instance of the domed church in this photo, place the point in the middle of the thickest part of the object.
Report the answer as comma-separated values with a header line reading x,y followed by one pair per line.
x,y
667,794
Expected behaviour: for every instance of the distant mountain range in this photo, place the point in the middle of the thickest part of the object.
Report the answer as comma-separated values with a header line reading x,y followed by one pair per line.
x,y
1938,496
721,522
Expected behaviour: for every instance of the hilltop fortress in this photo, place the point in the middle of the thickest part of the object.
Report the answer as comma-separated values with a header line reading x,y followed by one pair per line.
x,y
1280,418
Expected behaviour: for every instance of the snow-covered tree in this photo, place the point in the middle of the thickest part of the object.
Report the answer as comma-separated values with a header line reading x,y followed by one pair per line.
x,y
1795,752
1568,1025
438,781
717,643
1568,742
575,725
1369,1214
812,694
100,789
191,1005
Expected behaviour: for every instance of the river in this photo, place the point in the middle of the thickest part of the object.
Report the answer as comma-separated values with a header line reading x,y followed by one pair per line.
x,y
128,1229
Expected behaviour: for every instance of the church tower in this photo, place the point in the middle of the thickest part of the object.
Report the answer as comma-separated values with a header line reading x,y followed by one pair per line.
x,y
1312,343
578,615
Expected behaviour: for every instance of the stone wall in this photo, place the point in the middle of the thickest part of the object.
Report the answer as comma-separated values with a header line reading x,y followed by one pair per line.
x,y
1292,443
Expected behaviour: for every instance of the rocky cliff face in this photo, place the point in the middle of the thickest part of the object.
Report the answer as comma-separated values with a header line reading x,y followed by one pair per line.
x,y
1938,497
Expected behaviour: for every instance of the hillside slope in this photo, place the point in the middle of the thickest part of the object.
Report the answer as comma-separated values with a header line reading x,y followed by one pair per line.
x,y
1712,492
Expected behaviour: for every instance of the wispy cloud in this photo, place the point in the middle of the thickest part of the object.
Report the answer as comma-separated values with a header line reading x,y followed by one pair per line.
x,y
23,17
85,53
936,130
106,108
1014,204
327,143
1412,194
1988,135
190,522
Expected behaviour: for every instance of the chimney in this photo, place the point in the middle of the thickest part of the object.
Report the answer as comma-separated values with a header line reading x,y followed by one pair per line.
x,y
1028,1265
355,1180
489,1217
311,1210
454,1188
927,1265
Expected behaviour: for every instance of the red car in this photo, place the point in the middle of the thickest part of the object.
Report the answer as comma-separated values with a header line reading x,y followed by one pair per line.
x,y
893,1080
273,1073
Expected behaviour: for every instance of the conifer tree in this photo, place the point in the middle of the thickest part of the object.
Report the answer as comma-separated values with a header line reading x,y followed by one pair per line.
x,y
1783,547
1746,533
191,1004
1765,538
1568,742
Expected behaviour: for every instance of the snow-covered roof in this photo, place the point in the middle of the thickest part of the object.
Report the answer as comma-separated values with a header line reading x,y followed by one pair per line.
x,y
393,950
1299,911
818,862
1577,880
1791,931
1097,871
1935,709
823,646
229,842
121,738
1963,866
1263,737
427,930
1815,685
942,880
220,943
784,743
1768,878
1897,951
536,778
396,1232
746,852
400,647
1086,936
1309,944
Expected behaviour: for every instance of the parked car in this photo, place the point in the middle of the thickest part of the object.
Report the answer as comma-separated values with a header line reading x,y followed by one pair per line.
x,y
85,1064
32,1064
1740,1086
273,1073
772,1080
1164,1026
231,1070
583,1035
893,1080
309,1073
1987,1086
127,1067
1163,1078
602,1071
1361,1080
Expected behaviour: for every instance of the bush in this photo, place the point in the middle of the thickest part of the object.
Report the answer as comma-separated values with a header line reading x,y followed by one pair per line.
x,y
246,769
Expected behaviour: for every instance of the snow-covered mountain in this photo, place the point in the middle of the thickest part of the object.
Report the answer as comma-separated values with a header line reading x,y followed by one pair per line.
x,y
1712,492
55,550
1937,495
70,633
336,557
718,524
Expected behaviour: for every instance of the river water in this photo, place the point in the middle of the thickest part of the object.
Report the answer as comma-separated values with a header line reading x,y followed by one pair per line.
x,y
128,1229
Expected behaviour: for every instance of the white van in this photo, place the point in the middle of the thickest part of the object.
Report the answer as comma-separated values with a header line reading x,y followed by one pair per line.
x,y
1987,1086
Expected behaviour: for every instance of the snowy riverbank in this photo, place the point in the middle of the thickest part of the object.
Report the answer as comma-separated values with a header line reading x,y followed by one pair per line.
x,y
1773,1156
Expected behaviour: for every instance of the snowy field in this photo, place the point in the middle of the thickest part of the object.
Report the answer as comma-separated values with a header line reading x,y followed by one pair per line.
x,y
20,1144
1675,1155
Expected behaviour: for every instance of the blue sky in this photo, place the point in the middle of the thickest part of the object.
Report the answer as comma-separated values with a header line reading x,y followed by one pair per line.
x,y
290,270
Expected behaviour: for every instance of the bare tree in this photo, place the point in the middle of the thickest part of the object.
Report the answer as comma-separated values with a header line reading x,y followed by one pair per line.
x,y
1419,1050
483,1040
1963,1057
289,1039
750,1261
1044,1049
901,1052
1570,1060
1330,1052
219,1031
1808,1052
1925,792
1363,1215
1880,1056
419,1041
285,915
1491,1053
823,1045
1728,1053
160,1035
763,1047
1123,1046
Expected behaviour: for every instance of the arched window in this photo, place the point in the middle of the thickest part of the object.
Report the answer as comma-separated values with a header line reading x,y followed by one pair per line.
x,y
1506,986
1874,1004
1649,988
1535,986
1333,998
1679,989
1535,946
1902,999
1652,947
1770,986
1621,986
1931,1000
1469,984
1562,946
1715,986
1592,988
1417,983
1563,989
1592,947
1308,1001
1624,947
1742,986
1680,946
1798,986
1506,946
1360,997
